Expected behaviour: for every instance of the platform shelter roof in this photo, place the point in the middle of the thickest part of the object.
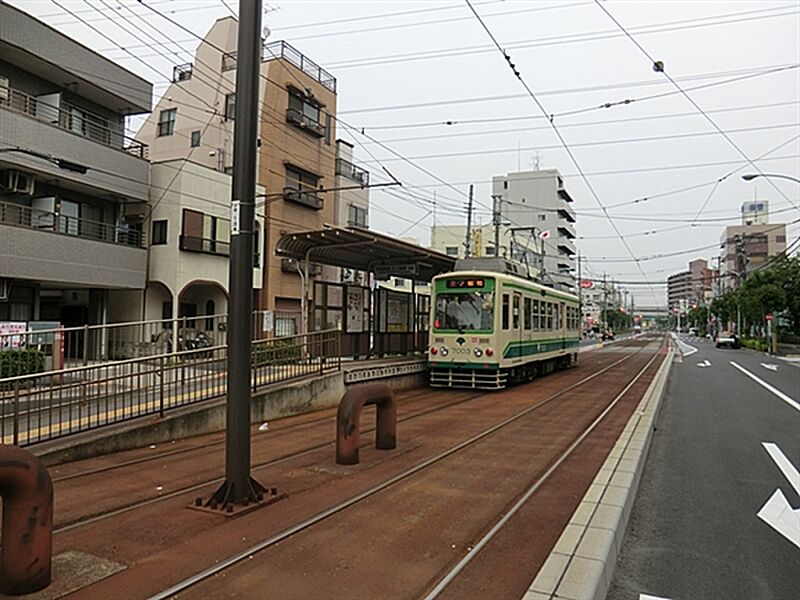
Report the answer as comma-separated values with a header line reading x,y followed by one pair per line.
x,y
364,250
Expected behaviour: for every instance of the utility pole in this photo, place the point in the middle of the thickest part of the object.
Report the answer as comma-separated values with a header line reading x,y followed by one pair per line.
x,y
239,488
468,241
605,303
580,294
497,199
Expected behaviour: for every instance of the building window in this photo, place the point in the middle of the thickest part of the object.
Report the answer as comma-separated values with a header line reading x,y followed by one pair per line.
x,y
195,138
230,107
356,216
490,251
205,233
780,239
159,233
451,250
304,114
505,185
543,217
301,187
166,121
399,282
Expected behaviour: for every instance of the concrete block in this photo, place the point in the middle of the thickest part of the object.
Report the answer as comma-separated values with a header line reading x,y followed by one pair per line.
x,y
622,479
594,493
550,574
584,578
614,496
569,539
529,595
583,513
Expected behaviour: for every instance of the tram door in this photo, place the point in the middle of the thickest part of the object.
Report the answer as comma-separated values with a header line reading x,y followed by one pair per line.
x,y
516,320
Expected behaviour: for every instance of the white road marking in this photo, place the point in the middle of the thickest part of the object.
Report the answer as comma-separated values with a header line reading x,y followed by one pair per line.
x,y
779,514
769,367
649,597
784,464
704,364
686,349
790,401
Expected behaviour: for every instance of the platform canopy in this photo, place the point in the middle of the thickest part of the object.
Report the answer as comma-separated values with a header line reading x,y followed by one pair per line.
x,y
364,250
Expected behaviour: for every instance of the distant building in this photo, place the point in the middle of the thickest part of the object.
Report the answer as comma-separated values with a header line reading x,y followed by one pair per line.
x,y
73,187
747,247
533,202
692,287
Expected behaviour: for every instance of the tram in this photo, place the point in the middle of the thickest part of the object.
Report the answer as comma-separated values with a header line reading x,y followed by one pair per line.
x,y
490,329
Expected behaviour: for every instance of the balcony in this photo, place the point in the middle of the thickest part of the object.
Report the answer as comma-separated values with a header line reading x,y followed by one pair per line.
x,y
49,247
305,197
192,243
564,195
566,212
567,232
295,117
347,169
281,49
73,119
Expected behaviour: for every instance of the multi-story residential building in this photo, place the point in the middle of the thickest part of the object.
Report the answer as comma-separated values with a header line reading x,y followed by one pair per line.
x,y
73,186
692,287
194,120
747,247
537,201
596,299
351,189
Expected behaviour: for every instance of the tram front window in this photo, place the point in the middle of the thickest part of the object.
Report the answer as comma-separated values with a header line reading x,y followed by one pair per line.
x,y
465,311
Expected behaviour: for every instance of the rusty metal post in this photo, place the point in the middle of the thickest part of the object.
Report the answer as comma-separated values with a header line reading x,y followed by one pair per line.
x,y
27,494
349,415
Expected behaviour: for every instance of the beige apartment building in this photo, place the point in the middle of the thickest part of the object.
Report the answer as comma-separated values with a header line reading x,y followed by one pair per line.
x,y
194,122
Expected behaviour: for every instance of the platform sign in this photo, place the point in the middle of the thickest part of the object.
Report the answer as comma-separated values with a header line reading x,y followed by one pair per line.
x,y
10,338
769,317
385,271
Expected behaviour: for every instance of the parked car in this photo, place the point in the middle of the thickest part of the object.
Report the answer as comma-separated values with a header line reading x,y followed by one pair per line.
x,y
726,338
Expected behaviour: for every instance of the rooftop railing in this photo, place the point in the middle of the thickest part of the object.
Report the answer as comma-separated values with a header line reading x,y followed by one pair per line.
x,y
33,218
73,119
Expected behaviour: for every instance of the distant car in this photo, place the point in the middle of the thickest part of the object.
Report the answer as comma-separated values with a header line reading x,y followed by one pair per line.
x,y
637,329
692,331
726,338
608,335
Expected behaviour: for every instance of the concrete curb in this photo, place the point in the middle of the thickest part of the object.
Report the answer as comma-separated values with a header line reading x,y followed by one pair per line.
x,y
581,564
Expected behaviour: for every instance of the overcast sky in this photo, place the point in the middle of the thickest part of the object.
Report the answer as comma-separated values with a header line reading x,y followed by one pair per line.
x,y
404,69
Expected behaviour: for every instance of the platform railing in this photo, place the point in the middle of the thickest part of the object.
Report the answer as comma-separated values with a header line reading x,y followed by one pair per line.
x,y
39,407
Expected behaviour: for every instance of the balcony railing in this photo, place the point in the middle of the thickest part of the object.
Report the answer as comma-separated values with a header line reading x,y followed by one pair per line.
x,y
296,117
192,243
306,197
281,49
349,170
73,119
20,215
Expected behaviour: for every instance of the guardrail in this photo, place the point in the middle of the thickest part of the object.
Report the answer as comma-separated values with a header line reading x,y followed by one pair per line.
x,y
45,406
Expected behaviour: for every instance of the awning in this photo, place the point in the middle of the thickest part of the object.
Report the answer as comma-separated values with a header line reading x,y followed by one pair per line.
x,y
364,250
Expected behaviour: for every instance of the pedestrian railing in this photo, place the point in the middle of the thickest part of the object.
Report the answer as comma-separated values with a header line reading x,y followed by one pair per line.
x,y
38,407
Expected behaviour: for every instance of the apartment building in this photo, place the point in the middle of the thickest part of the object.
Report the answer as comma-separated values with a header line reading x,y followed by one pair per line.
x,y
749,246
537,202
194,121
73,186
692,287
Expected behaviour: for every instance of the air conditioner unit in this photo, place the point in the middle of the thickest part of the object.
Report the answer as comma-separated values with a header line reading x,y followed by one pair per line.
x,y
134,211
17,181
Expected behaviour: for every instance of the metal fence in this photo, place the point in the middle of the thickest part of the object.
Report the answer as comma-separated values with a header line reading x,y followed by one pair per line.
x,y
67,347
45,406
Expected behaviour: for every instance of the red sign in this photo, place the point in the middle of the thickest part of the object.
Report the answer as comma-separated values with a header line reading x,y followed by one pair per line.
x,y
586,283
770,317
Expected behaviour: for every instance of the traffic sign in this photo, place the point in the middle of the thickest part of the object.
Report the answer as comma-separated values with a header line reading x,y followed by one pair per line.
x,y
586,284
770,317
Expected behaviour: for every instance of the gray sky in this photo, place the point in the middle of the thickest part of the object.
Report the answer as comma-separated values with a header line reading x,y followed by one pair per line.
x,y
405,68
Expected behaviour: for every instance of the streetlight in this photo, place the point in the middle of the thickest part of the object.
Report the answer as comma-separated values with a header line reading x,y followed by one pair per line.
x,y
751,176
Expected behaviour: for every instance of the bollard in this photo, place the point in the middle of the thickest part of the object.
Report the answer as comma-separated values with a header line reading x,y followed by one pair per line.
x,y
27,493
349,415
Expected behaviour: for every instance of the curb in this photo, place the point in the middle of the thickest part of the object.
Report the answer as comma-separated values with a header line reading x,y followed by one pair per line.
x,y
581,564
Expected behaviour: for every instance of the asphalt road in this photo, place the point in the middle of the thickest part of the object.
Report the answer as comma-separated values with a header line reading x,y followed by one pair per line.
x,y
694,530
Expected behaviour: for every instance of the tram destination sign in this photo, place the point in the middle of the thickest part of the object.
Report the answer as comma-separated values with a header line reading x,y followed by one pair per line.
x,y
466,283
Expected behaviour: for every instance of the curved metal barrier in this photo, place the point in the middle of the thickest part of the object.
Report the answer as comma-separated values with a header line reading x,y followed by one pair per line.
x,y
349,415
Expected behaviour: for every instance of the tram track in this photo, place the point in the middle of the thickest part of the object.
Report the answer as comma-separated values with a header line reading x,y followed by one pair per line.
x,y
420,467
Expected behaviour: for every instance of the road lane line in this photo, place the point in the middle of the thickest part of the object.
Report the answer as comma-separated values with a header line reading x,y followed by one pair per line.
x,y
790,401
779,514
784,464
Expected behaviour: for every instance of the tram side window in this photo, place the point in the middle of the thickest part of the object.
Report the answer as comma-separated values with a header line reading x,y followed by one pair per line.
x,y
528,302
535,315
516,311
505,311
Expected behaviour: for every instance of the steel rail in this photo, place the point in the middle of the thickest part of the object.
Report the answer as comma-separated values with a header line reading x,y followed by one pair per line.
x,y
475,549
321,516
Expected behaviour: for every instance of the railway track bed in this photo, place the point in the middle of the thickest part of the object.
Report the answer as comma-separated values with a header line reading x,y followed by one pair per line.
x,y
410,523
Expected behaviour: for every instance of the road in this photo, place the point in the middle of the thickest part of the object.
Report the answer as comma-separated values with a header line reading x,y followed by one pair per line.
x,y
726,449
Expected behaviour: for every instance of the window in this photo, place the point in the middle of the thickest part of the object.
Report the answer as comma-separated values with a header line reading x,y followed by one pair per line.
x,y
305,114
356,216
159,234
535,316
230,107
505,311
465,311
516,311
205,233
505,185
301,187
5,92
166,121
195,138
780,239
210,308
451,250
543,217
489,250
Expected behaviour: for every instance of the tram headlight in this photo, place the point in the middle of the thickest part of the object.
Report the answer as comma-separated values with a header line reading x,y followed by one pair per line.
x,y
478,352
444,351
489,352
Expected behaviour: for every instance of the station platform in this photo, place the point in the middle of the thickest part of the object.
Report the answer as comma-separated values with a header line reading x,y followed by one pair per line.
x,y
393,525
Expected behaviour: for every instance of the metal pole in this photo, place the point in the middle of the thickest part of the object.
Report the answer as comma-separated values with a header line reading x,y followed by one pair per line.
x,y
468,241
239,487
496,222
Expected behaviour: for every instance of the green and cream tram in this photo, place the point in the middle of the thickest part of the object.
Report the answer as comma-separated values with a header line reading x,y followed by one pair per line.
x,y
490,329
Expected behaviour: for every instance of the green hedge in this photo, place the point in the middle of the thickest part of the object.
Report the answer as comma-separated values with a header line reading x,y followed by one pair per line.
x,y
20,362
754,344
